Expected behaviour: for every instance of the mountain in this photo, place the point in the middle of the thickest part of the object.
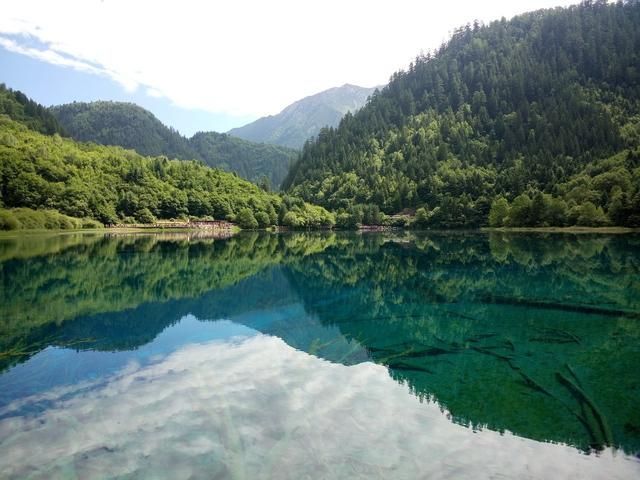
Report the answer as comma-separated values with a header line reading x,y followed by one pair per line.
x,y
44,176
124,124
250,160
130,126
303,119
111,184
18,106
535,120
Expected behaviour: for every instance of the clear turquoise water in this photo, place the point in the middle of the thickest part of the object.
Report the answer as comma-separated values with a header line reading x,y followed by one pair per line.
x,y
320,356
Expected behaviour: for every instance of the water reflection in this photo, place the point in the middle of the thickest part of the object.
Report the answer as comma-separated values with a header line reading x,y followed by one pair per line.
x,y
552,360
257,408
532,335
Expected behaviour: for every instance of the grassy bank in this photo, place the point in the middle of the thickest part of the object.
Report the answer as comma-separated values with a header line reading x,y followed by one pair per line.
x,y
28,219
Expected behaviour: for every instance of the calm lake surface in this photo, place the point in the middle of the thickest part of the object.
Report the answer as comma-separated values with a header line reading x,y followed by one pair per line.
x,y
320,356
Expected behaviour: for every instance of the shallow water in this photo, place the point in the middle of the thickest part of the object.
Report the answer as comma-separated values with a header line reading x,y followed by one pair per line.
x,y
320,356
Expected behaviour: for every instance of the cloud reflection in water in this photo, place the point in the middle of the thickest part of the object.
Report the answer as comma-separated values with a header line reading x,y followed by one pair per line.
x,y
257,408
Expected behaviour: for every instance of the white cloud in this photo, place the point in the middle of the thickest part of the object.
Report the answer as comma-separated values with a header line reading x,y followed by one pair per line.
x,y
49,56
257,408
242,57
55,58
152,92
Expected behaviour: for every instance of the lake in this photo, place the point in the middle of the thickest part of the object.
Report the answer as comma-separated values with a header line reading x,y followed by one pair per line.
x,y
400,355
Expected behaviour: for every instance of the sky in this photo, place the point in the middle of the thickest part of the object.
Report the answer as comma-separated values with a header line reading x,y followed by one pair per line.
x,y
215,65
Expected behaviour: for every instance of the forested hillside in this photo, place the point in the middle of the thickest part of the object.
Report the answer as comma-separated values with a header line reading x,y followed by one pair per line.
x,y
259,162
123,124
21,108
538,116
130,126
112,185
303,119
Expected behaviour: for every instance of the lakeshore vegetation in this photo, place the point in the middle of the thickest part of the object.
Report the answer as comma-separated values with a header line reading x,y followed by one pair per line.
x,y
53,182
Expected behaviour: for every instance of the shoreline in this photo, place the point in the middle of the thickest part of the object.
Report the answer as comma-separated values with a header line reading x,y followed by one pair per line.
x,y
121,230
235,230
572,229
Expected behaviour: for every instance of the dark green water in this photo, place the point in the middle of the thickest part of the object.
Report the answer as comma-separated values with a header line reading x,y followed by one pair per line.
x,y
320,356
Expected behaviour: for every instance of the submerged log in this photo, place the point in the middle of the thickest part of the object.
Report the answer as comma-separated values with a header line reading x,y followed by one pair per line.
x,y
542,304
581,396
561,336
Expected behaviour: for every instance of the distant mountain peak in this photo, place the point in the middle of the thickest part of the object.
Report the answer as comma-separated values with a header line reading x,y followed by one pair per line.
x,y
304,118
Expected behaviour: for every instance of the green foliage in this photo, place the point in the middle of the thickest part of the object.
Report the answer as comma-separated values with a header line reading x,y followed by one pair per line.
x,y
539,210
499,212
20,108
346,221
89,223
591,216
245,219
371,215
357,215
129,126
123,124
8,220
301,215
264,183
110,185
26,218
513,108
403,221
604,193
263,219
258,162
144,215
422,217
520,211
556,211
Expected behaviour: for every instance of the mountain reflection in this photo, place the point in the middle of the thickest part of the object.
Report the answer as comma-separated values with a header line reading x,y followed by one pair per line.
x,y
530,334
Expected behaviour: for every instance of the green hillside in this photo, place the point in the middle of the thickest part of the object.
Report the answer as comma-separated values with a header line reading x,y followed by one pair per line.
x,y
111,184
130,126
538,116
258,162
21,108
123,124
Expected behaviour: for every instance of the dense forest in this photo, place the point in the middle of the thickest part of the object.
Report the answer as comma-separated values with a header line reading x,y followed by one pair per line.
x,y
129,126
18,106
529,122
122,124
261,163
114,185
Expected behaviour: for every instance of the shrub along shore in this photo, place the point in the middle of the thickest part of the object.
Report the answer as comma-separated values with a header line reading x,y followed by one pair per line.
x,y
26,219
29,219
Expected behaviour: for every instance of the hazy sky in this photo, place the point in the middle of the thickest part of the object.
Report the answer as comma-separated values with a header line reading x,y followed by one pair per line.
x,y
235,60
